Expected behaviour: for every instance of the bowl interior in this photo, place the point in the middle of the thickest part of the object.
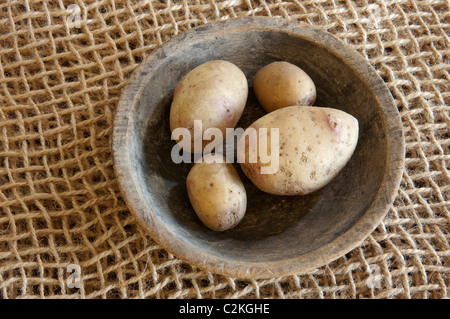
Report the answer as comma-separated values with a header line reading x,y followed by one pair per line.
x,y
275,227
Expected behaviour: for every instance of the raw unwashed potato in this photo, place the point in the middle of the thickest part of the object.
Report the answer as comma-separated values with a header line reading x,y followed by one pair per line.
x,y
281,84
215,93
216,193
315,143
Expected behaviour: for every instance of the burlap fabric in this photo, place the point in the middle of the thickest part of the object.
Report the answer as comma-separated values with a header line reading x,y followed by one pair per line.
x,y
62,70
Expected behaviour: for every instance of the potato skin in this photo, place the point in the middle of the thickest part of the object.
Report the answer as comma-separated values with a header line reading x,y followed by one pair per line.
x,y
315,143
280,84
215,92
217,194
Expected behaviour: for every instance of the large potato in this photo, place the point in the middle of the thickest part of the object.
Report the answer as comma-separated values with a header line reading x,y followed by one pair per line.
x,y
215,93
314,144
216,193
281,84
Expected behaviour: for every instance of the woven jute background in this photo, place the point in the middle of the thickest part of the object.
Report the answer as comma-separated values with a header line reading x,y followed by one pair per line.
x,y
63,65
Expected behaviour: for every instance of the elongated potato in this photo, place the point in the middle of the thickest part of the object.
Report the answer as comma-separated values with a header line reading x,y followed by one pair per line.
x,y
214,93
280,84
314,144
216,193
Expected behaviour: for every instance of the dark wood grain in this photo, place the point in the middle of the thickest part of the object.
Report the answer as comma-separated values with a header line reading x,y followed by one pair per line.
x,y
279,235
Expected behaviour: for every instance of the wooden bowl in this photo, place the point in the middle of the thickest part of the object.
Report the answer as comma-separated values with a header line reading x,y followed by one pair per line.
x,y
279,235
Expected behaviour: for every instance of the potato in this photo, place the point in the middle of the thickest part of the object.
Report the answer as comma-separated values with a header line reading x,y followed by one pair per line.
x,y
314,144
215,93
216,193
281,84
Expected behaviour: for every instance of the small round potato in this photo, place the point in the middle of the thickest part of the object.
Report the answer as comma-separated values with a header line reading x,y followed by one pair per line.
x,y
313,145
214,93
216,193
281,84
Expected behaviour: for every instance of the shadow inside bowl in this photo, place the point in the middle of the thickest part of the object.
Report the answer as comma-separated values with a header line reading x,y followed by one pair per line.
x,y
266,214
274,227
